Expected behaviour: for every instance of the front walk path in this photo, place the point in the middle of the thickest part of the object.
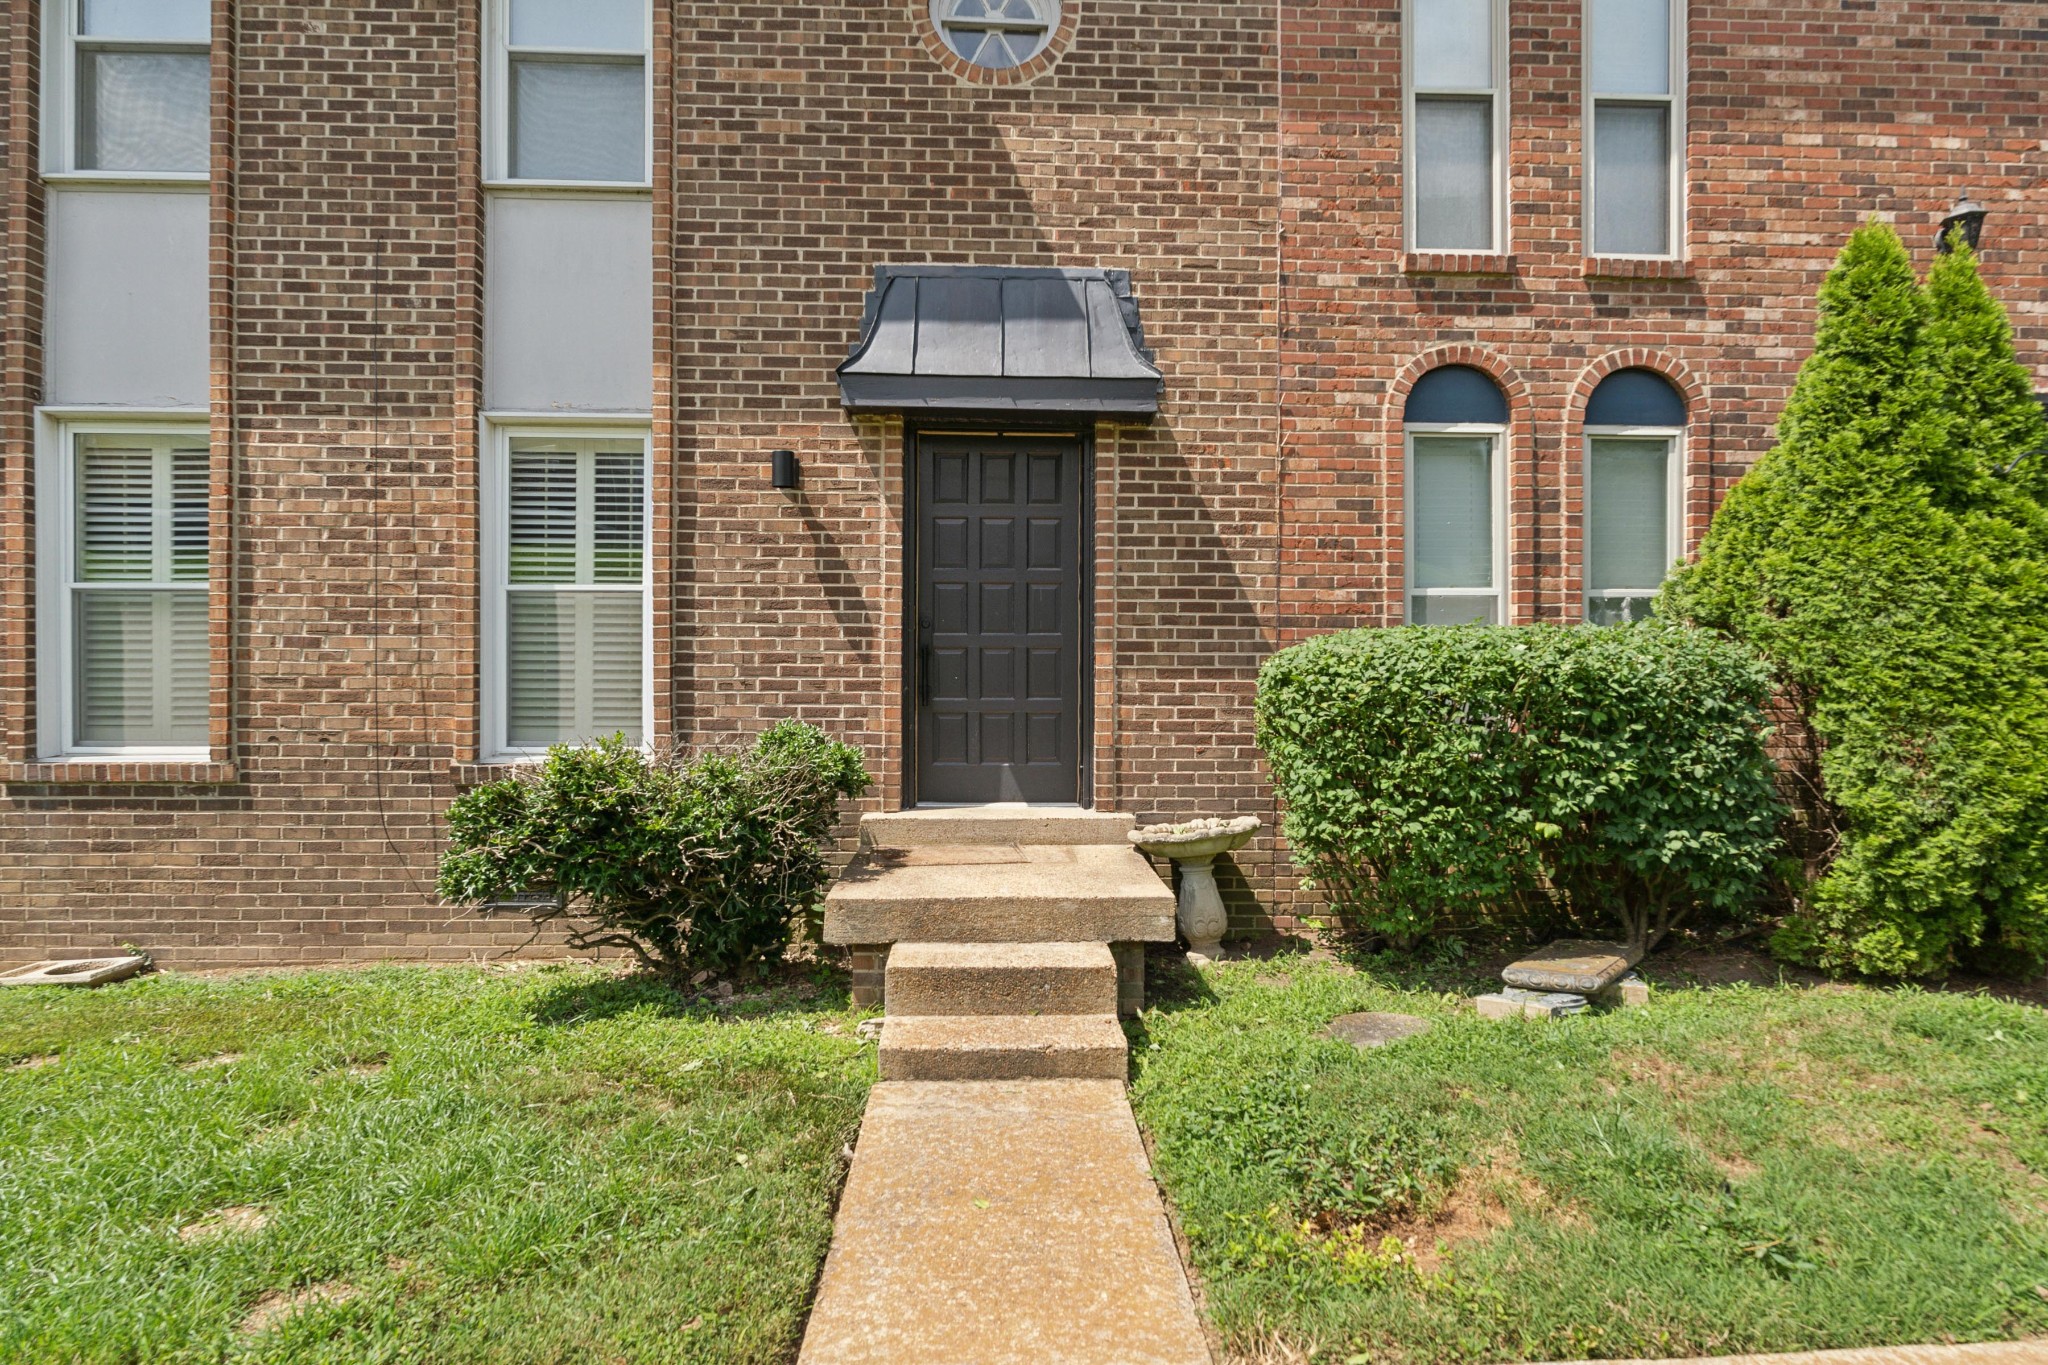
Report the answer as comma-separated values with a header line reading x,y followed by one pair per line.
x,y
1002,1221
1000,1208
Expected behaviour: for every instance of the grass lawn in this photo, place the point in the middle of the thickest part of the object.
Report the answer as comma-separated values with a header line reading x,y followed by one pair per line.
x,y
1732,1169
417,1164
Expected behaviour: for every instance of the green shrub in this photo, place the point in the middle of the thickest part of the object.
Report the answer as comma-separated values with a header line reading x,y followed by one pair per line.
x,y
1889,559
706,862
1615,776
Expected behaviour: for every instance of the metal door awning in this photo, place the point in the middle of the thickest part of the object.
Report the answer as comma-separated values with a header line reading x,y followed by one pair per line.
x,y
939,338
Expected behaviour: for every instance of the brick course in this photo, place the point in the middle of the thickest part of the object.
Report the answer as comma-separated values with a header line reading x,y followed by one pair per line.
x,y
1242,160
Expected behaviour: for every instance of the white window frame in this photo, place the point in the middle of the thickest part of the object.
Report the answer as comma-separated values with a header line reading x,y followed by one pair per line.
x,y
60,101
496,490
497,104
1674,505
1675,152
56,544
1497,437
1498,94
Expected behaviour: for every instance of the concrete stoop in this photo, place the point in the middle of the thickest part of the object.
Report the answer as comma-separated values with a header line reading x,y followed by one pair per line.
x,y
985,1047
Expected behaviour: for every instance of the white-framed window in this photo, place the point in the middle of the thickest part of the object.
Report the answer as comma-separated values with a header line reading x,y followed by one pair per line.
x,y
568,99
1454,72
1632,519
128,88
1457,561
1635,127
566,621
123,540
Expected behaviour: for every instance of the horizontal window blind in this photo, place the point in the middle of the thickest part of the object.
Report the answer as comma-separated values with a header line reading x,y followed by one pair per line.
x,y
141,657
574,599
1451,531
1628,525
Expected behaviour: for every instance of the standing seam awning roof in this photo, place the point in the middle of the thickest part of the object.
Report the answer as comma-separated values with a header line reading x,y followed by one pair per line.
x,y
976,338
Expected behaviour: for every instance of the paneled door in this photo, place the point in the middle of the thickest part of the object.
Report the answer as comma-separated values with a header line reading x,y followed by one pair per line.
x,y
997,619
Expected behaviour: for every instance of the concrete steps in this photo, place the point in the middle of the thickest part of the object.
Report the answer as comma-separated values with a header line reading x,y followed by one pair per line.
x,y
1000,893
1003,1047
994,825
1001,978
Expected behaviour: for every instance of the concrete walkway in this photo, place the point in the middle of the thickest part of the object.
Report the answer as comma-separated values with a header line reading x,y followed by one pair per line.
x,y
990,1222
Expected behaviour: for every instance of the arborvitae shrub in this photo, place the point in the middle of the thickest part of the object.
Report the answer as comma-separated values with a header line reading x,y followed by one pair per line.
x,y
1614,778
1889,559
704,862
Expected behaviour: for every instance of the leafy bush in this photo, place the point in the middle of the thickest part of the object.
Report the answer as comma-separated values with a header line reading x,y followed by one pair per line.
x,y
702,862
1610,775
1889,558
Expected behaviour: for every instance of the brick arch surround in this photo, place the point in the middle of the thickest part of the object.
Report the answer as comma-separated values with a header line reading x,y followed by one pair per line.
x,y
935,47
1701,490
1519,449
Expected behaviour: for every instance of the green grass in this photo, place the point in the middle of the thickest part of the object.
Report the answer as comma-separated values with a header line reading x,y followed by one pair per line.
x,y
1739,1169
551,1165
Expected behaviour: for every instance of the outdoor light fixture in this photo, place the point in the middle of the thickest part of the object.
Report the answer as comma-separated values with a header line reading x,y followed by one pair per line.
x,y
1968,215
784,472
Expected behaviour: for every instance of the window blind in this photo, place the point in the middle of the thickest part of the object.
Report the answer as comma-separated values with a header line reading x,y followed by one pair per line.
x,y
1628,525
141,656
575,600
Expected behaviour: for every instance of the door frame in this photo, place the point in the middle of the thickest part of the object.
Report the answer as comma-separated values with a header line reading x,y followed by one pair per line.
x,y
1082,434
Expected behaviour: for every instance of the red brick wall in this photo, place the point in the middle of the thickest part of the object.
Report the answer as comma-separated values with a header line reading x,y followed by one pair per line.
x,y
1242,161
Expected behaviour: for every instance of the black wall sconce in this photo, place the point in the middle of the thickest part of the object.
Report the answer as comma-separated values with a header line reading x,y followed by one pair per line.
x,y
1968,215
783,470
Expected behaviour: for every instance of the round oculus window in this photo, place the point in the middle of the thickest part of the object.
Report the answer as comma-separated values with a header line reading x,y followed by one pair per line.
x,y
998,34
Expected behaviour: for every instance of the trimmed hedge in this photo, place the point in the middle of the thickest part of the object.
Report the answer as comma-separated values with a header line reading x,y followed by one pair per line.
x,y
684,862
1614,776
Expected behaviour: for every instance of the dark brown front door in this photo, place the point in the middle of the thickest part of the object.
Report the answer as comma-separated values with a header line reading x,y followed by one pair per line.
x,y
997,619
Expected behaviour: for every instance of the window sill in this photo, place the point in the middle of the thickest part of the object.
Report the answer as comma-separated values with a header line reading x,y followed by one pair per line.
x,y
182,181
482,771
569,189
118,771
1457,263
1637,268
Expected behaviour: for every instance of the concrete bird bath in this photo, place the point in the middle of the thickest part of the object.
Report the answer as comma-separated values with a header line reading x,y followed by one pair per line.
x,y
1194,846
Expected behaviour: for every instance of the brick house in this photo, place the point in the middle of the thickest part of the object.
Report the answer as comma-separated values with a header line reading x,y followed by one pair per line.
x,y
390,389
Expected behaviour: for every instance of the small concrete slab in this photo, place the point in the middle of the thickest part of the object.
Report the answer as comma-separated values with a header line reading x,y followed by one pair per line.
x,y
1575,966
1002,1223
1626,993
1515,1003
78,971
1365,1031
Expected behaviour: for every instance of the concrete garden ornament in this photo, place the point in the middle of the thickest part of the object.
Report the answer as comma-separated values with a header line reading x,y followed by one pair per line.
x,y
1194,846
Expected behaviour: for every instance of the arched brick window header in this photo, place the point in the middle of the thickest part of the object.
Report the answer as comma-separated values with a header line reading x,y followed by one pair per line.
x,y
1636,398
1456,393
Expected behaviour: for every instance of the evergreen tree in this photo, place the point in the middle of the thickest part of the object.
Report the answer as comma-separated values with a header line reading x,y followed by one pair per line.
x,y
1889,558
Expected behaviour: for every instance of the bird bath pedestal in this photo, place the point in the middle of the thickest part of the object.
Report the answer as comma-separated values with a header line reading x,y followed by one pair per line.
x,y
1194,846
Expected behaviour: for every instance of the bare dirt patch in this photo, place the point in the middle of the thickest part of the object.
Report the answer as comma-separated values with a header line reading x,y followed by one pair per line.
x,y
218,1059
1482,1202
1644,1067
274,1307
238,1220
35,1063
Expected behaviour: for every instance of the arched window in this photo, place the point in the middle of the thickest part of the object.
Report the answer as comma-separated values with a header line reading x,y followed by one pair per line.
x,y
1635,434
1456,555
997,33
